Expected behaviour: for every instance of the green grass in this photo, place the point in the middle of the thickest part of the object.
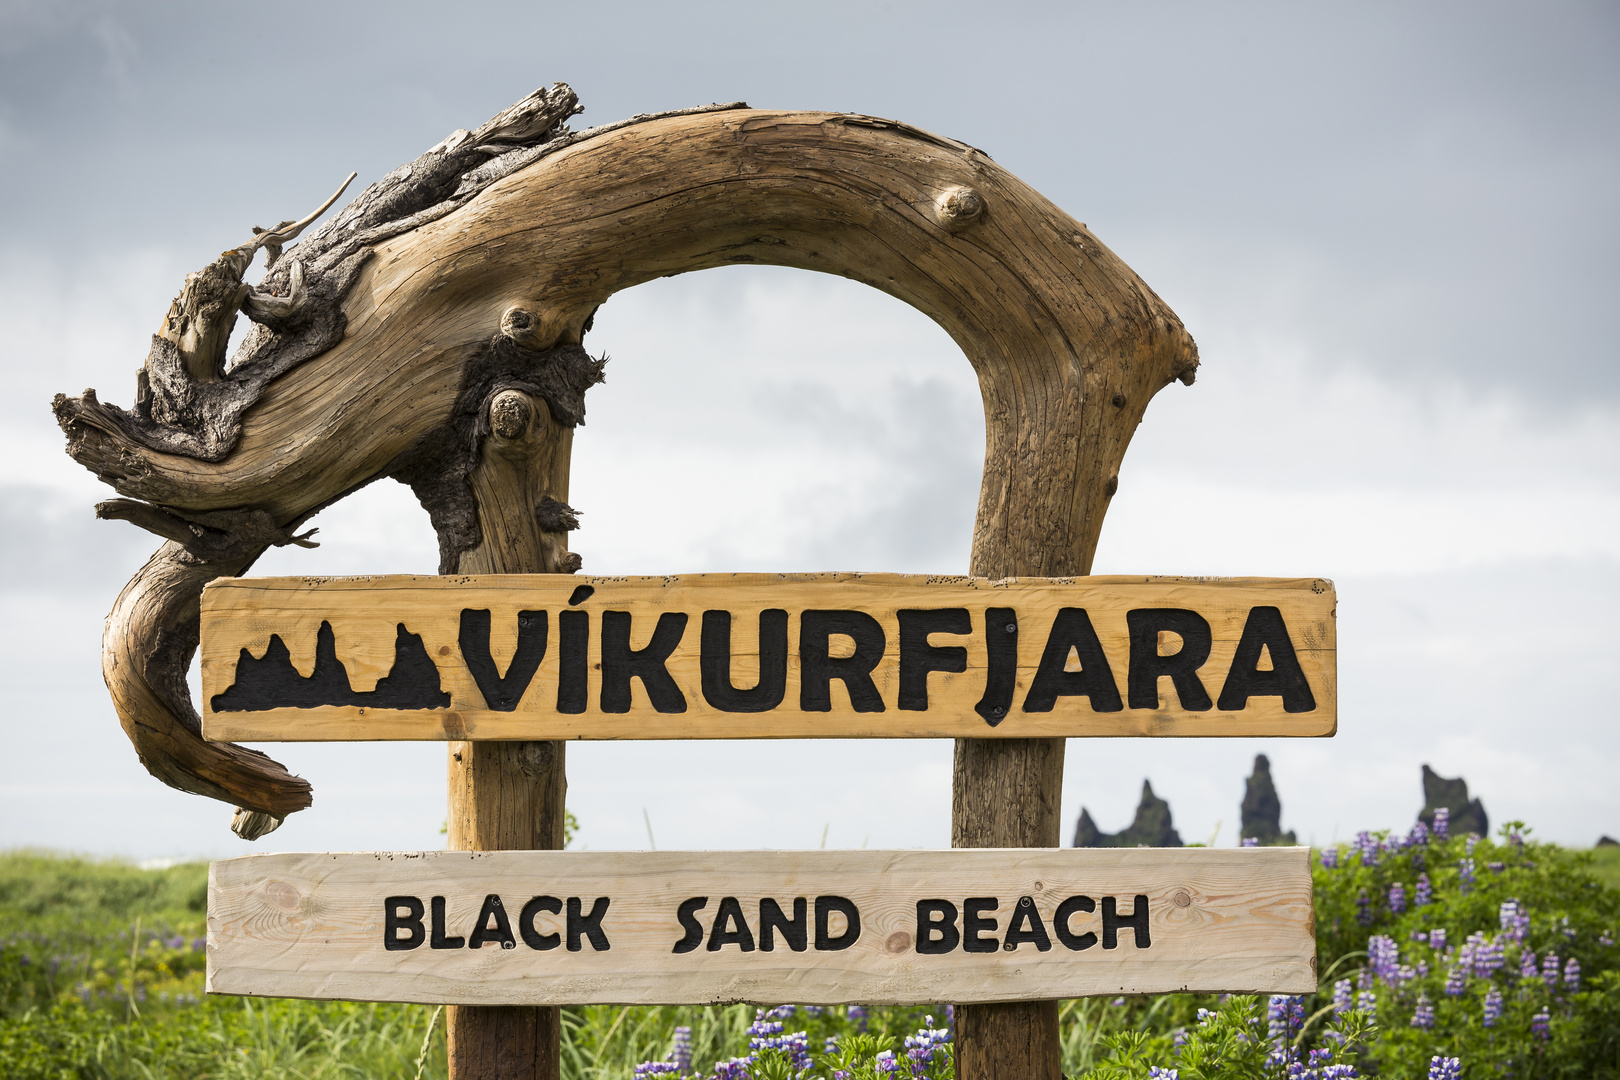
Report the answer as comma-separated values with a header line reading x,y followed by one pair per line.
x,y
1606,866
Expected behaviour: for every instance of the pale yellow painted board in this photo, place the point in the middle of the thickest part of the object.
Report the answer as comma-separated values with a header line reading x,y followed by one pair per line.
x,y
312,925
243,613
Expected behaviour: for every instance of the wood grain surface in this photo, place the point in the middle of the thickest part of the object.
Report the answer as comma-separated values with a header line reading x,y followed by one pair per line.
x,y
240,617
314,925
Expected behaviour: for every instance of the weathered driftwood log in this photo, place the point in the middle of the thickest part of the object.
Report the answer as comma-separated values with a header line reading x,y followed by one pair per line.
x,y
383,369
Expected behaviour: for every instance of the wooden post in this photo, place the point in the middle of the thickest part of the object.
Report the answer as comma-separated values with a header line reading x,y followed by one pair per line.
x,y
508,796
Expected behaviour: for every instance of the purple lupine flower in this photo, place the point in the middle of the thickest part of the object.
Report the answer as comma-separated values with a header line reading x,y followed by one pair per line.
x,y
1367,1002
1496,867
1206,1015
735,1069
1572,974
1456,980
1541,1024
1549,970
1367,844
655,1068
1285,1015
1472,842
812,1010
1444,1068
1424,1016
1442,822
1364,914
1249,841
1493,1006
1397,898
1528,968
1437,939
1178,1039
1156,1073
920,1047
885,1062
1418,860
1420,834
1465,876
200,944
1605,939
1489,955
1330,858
857,1016
1515,920
1517,840
1341,999
1383,958
682,1054
1421,895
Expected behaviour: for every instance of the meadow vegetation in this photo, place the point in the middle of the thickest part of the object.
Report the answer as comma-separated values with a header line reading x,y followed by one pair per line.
x,y
1441,956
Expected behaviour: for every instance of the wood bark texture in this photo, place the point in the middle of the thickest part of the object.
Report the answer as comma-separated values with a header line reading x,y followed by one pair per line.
x,y
389,351
509,796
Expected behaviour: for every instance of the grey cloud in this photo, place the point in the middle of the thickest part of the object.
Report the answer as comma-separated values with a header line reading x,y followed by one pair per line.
x,y
1426,189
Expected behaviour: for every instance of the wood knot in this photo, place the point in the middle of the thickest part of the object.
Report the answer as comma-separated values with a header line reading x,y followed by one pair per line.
x,y
525,327
959,207
510,414
1113,484
897,942
1119,401
1180,898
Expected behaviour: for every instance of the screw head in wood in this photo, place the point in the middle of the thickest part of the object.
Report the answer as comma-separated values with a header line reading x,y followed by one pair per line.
x,y
959,207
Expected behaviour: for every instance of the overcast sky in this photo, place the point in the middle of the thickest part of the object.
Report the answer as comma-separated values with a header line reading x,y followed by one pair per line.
x,y
1391,229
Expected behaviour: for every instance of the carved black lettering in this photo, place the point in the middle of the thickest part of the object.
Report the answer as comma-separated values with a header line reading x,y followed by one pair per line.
x,y
794,930
1148,667
502,692
271,681
532,937
1265,631
687,913
403,913
1072,632
573,660
1001,664
817,667
936,927
730,928
918,657
588,924
1060,923
621,663
825,906
974,922
1137,920
714,663
493,925
439,939
1025,926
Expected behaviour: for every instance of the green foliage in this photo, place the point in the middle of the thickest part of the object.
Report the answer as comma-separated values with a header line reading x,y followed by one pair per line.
x,y
1605,865
101,978
1511,965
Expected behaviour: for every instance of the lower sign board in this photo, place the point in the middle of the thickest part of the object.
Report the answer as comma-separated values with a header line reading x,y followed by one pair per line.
x,y
817,927
730,656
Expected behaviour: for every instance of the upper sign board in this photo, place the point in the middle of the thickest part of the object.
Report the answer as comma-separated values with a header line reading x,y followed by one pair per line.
x,y
816,927
706,656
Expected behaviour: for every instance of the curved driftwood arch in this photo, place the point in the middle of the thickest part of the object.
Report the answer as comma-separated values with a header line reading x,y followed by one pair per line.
x,y
413,324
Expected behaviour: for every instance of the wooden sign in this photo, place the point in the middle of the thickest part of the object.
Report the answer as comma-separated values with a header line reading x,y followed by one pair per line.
x,y
813,927
557,656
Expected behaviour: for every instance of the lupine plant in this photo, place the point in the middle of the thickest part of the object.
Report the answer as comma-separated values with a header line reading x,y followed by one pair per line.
x,y
1482,973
